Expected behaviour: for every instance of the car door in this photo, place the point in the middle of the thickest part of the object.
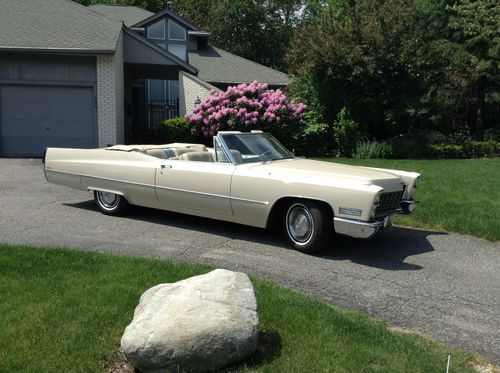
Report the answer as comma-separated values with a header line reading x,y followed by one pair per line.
x,y
191,186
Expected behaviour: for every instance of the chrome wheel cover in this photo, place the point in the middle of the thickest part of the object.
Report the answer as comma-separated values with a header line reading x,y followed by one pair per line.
x,y
299,224
108,200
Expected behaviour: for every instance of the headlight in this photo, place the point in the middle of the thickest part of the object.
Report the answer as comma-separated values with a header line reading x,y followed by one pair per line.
x,y
376,201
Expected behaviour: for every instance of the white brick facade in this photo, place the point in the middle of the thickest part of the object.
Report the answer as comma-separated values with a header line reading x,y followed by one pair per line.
x,y
190,88
110,96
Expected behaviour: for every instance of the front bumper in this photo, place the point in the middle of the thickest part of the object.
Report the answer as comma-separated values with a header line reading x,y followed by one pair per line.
x,y
360,229
367,229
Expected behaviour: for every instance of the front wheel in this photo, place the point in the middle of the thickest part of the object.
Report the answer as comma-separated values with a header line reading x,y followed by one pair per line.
x,y
307,226
110,203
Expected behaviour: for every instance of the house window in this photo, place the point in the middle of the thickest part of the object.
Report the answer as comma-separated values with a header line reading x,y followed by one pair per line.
x,y
156,90
176,32
173,89
157,30
178,50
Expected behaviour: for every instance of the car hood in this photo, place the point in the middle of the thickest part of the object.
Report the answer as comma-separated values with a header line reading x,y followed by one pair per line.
x,y
311,171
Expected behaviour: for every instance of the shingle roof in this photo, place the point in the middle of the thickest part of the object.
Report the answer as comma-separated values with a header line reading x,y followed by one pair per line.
x,y
129,15
55,25
218,66
163,13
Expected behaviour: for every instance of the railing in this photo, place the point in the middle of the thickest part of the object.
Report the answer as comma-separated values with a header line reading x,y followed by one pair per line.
x,y
157,111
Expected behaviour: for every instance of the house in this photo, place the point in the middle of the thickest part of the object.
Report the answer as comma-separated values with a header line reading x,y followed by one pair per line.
x,y
77,76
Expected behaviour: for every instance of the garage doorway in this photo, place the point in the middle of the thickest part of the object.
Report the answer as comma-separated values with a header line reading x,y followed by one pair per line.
x,y
35,117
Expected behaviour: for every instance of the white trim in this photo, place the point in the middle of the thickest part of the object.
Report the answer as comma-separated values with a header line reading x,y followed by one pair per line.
x,y
164,32
168,29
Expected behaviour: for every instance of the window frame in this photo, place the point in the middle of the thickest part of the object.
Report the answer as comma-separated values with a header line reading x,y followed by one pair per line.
x,y
164,30
169,21
178,45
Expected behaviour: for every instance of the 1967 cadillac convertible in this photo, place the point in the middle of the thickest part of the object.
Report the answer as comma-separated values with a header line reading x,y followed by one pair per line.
x,y
247,178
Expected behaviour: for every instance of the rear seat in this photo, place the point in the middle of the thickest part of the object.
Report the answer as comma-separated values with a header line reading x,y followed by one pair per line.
x,y
197,157
168,153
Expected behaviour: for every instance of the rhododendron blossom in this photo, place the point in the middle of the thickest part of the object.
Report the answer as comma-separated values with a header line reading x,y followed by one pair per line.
x,y
244,107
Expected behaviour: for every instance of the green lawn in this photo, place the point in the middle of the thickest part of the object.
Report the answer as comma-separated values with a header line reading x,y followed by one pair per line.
x,y
454,195
65,310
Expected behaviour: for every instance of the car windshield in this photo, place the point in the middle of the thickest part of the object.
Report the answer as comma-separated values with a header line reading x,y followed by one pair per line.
x,y
254,147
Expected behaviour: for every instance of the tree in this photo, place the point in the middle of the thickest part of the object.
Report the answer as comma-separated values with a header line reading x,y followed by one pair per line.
x,y
260,30
365,56
476,30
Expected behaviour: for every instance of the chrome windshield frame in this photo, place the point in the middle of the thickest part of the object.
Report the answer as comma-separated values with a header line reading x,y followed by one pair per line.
x,y
220,141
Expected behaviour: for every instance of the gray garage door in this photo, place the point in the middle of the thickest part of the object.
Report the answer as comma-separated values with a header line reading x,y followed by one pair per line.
x,y
35,117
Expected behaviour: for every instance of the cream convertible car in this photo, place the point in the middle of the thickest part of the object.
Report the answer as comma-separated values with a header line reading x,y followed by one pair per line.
x,y
247,178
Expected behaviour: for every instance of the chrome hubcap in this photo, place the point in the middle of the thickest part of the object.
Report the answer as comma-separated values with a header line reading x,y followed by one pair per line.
x,y
299,224
107,200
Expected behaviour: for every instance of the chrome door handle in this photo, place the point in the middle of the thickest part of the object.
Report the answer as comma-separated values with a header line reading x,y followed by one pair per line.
x,y
167,166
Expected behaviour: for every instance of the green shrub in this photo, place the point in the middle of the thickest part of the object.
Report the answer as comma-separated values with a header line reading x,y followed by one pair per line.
x,y
309,139
176,130
346,133
481,149
415,145
492,133
367,149
445,151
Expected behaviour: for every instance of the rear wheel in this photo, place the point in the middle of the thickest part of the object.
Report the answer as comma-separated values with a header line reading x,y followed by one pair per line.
x,y
307,226
110,203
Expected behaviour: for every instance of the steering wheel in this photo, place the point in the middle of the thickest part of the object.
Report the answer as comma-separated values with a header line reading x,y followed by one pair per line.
x,y
268,152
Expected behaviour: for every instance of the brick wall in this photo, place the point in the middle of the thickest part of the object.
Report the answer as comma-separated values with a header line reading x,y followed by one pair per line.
x,y
110,91
191,87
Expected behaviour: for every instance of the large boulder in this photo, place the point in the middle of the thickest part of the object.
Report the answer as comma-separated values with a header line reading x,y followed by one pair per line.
x,y
202,323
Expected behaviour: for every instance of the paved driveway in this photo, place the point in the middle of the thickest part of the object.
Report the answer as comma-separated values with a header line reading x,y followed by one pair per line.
x,y
442,285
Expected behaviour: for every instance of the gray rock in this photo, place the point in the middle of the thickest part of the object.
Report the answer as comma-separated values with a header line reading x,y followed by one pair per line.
x,y
202,323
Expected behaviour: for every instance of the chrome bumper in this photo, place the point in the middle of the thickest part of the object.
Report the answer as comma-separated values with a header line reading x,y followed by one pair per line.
x,y
366,229
407,206
360,229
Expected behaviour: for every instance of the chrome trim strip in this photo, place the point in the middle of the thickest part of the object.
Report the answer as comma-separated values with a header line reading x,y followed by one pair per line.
x,y
162,187
356,228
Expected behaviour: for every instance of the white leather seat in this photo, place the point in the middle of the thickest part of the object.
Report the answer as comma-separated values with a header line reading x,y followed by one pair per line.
x,y
197,157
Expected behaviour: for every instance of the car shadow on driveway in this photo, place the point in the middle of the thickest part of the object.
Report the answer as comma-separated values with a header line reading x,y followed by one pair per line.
x,y
387,250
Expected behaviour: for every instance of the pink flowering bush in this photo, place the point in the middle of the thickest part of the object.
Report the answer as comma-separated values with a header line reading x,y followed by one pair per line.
x,y
243,108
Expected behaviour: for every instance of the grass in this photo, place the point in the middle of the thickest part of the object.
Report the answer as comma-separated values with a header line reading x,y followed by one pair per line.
x,y
454,195
65,310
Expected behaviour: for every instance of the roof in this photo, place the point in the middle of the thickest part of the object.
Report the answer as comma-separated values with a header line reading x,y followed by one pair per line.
x,y
129,15
161,14
218,66
55,25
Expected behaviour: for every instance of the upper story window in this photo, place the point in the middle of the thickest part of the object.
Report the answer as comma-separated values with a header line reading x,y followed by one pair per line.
x,y
157,30
179,50
176,32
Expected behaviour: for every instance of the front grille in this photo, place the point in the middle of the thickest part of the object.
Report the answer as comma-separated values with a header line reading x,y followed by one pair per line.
x,y
389,203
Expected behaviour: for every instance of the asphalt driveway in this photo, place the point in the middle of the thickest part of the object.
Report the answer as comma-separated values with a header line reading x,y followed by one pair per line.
x,y
442,285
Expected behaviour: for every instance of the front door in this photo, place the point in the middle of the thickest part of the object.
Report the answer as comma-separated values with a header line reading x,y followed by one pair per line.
x,y
193,186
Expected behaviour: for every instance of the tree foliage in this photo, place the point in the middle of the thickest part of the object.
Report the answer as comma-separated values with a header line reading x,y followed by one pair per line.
x,y
259,30
404,65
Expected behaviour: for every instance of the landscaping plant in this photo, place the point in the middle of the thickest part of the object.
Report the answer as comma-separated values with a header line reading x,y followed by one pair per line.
x,y
247,107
